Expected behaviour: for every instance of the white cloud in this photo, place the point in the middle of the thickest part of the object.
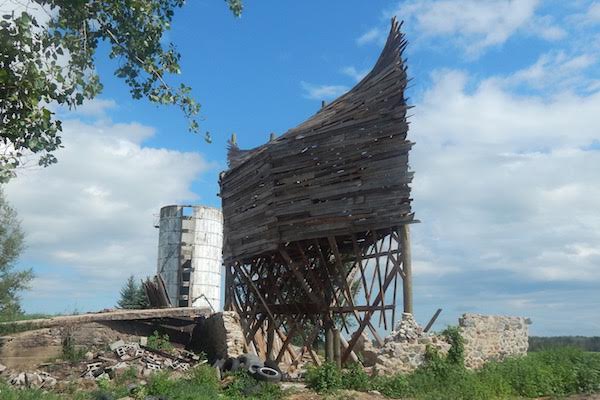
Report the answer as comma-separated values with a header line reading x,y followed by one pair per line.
x,y
473,25
96,108
353,73
585,18
91,215
323,92
593,12
545,27
372,35
556,71
42,14
503,183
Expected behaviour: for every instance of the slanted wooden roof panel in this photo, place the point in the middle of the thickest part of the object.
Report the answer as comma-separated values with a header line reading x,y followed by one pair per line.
x,y
343,170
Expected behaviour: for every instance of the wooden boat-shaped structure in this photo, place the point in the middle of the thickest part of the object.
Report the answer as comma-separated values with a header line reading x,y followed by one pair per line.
x,y
316,221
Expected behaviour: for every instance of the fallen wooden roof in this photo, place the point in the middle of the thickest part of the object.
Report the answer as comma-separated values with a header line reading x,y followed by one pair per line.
x,y
343,170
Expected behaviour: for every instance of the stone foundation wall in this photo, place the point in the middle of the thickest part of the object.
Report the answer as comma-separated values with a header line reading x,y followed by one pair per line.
x,y
404,349
486,338
492,338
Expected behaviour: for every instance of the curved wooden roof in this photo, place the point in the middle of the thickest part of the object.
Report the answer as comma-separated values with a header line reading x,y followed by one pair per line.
x,y
343,170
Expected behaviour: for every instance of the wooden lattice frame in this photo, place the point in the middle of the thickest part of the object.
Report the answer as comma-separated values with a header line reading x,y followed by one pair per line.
x,y
310,283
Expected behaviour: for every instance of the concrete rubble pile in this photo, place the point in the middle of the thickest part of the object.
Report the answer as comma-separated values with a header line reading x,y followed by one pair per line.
x,y
123,356
36,380
139,356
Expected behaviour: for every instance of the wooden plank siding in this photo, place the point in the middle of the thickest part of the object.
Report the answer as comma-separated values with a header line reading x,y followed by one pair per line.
x,y
344,170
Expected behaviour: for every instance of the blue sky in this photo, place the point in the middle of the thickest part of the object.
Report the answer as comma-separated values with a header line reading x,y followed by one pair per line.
x,y
507,161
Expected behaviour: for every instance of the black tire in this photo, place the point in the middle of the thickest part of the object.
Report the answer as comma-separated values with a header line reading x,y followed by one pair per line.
x,y
253,367
231,364
267,374
247,359
235,365
219,364
273,364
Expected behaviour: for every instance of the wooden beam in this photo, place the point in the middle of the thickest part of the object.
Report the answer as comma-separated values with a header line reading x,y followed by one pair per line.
x,y
432,320
298,274
367,316
406,268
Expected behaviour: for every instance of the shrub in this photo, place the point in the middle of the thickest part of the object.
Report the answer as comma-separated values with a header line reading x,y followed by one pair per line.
x,y
394,386
355,378
160,384
246,387
456,353
70,352
588,373
157,341
551,372
324,379
205,376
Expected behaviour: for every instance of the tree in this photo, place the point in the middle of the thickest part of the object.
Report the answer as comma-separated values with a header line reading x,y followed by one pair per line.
x,y
47,58
11,246
133,295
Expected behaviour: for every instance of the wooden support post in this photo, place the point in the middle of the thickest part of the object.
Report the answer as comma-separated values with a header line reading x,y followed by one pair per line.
x,y
229,288
406,268
344,344
329,340
337,356
270,339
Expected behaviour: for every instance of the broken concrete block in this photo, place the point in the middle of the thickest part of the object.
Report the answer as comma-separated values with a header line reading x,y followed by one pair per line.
x,y
143,341
155,367
2,368
183,366
33,380
102,376
121,351
18,379
117,344
121,365
152,358
93,366
98,373
89,356
49,382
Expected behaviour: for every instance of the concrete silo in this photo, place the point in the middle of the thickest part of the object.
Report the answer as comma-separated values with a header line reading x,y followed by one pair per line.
x,y
189,255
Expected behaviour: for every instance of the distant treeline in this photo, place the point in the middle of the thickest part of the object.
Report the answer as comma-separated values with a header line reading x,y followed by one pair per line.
x,y
586,343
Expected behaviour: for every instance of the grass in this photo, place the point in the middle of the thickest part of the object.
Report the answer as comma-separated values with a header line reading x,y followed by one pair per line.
x,y
556,372
200,383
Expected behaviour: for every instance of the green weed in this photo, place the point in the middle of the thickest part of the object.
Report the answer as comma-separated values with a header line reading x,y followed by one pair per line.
x,y
157,341
326,378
